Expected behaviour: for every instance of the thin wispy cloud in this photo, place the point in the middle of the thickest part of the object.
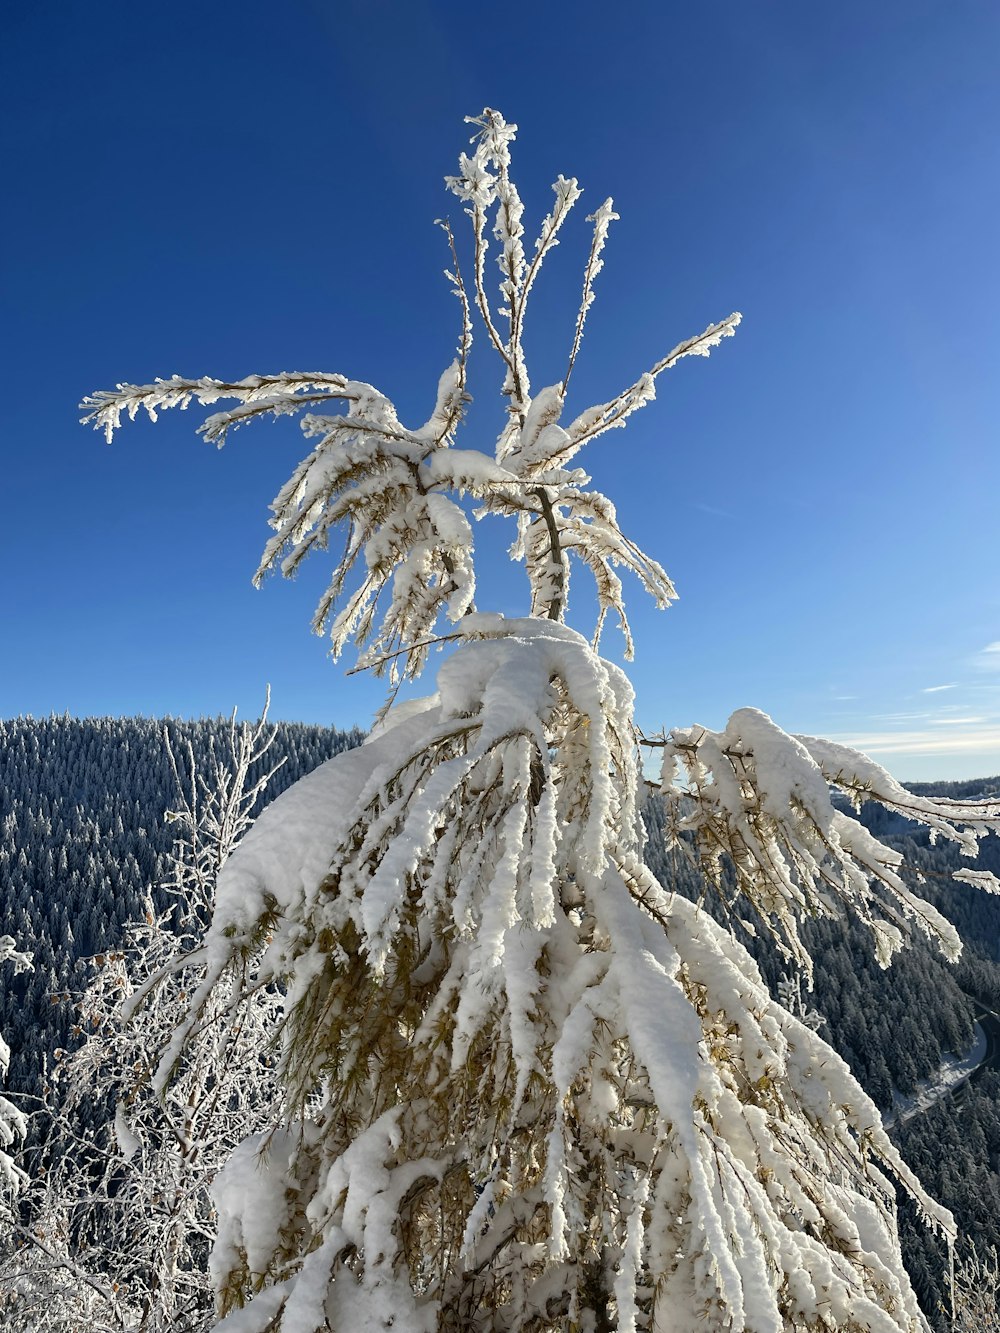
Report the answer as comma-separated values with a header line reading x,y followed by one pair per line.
x,y
929,742
957,721
936,689
988,658
901,717
711,509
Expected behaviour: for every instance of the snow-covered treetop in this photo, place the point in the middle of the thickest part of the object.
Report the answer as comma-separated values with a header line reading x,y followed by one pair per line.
x,y
395,490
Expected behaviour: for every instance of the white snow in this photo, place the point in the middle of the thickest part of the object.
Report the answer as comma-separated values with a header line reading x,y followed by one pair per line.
x,y
128,1141
950,1074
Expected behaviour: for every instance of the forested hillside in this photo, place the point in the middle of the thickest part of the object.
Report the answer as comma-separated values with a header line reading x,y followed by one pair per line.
x,y
83,832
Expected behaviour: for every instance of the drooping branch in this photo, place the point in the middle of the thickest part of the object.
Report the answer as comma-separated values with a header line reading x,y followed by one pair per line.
x,y
757,801
282,393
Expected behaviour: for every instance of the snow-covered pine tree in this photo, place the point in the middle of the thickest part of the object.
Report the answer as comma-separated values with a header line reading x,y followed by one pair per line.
x,y
525,1086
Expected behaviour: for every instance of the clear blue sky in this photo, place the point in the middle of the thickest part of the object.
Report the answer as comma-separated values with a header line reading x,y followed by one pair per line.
x,y
227,188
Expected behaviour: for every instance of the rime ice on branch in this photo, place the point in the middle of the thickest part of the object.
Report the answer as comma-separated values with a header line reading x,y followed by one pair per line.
x,y
12,1121
397,490
525,1086
114,1232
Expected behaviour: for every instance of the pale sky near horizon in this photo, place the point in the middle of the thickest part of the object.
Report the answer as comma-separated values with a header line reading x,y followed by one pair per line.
x,y
229,189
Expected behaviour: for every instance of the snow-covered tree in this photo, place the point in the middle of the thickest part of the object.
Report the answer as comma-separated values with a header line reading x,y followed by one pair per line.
x,y
976,1291
12,1121
526,1086
115,1232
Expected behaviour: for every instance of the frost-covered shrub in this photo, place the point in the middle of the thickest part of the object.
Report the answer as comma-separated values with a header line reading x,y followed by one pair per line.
x,y
12,1122
114,1230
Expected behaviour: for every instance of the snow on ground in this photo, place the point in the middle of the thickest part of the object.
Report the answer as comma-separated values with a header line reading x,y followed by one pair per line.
x,y
952,1072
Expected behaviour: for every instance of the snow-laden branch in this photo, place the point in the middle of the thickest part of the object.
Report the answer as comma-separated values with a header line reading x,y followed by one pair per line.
x,y
283,393
509,1049
756,802
407,554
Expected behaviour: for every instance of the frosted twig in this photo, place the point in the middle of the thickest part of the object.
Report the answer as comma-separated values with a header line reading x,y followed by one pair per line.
x,y
602,220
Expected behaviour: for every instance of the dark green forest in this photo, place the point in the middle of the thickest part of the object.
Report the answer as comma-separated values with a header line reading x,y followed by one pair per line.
x,y
83,833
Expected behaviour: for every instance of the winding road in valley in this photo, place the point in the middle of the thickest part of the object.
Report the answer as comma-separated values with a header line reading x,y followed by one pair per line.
x,y
989,1021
